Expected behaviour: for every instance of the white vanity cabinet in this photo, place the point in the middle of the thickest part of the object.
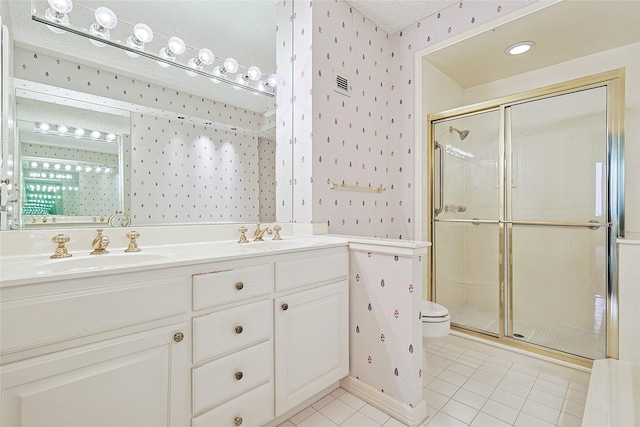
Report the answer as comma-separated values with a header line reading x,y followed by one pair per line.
x,y
231,342
311,326
104,351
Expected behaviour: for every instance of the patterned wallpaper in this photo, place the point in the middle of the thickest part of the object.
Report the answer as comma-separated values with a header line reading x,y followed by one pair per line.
x,y
367,138
386,323
183,170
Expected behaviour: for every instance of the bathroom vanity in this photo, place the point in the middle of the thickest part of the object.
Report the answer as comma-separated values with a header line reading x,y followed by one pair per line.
x,y
218,333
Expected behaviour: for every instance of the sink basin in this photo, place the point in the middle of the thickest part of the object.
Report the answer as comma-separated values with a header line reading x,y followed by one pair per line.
x,y
85,261
267,245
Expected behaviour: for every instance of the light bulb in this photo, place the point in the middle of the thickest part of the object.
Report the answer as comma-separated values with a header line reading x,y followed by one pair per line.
x,y
95,134
79,132
254,73
205,57
519,48
231,65
56,166
45,165
44,127
107,170
34,164
78,168
98,169
141,34
67,167
272,80
105,21
240,78
87,169
174,47
63,129
110,136
57,12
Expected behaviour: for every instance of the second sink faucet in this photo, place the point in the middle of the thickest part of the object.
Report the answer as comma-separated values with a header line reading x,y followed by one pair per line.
x,y
259,233
100,244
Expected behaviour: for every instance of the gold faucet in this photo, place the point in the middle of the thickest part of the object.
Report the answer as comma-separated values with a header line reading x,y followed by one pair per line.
x,y
61,251
259,233
277,229
100,244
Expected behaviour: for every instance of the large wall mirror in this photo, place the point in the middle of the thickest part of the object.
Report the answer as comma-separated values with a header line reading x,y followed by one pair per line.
x,y
98,131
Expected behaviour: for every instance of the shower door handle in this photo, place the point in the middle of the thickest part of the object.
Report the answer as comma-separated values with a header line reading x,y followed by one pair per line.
x,y
438,210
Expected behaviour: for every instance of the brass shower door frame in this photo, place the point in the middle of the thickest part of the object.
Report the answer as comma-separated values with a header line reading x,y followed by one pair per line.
x,y
614,83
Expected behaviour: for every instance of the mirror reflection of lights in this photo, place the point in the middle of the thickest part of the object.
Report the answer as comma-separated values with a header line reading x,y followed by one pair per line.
x,y
78,132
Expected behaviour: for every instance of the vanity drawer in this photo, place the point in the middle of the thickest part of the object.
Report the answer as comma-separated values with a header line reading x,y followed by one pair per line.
x,y
48,319
224,331
253,409
222,287
218,381
323,267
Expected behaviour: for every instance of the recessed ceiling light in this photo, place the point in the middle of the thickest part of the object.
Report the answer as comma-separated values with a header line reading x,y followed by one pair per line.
x,y
519,48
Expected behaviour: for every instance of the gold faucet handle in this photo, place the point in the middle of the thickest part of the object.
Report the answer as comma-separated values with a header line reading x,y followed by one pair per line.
x,y
276,229
243,237
100,244
133,245
61,250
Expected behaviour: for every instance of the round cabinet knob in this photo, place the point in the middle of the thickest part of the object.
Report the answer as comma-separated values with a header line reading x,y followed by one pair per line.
x,y
239,329
239,286
179,336
237,421
239,375
284,306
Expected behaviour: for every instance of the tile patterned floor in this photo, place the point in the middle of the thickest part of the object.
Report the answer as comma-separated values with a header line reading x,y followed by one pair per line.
x,y
465,388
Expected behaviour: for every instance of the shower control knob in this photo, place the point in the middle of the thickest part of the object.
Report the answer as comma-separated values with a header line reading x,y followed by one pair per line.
x,y
284,306
179,336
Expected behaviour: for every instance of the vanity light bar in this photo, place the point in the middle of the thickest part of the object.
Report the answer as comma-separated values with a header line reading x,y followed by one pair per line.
x,y
60,169
76,132
248,78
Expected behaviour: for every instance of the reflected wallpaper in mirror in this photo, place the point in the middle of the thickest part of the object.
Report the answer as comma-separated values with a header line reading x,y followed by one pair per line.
x,y
208,162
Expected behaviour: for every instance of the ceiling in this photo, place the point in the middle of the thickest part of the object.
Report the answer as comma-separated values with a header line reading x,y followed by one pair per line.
x,y
561,31
395,15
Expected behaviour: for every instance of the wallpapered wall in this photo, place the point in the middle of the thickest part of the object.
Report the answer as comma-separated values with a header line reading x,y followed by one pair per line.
x,y
182,171
385,323
367,138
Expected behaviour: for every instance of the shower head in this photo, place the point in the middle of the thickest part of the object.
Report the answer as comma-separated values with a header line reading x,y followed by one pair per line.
x,y
463,133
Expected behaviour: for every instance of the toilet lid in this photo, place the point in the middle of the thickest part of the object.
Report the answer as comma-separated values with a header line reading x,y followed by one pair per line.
x,y
432,309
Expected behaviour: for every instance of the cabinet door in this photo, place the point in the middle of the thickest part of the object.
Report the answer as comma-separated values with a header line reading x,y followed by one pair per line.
x,y
137,380
312,343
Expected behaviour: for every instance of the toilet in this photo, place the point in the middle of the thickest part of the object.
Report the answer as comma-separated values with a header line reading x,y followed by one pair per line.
x,y
436,321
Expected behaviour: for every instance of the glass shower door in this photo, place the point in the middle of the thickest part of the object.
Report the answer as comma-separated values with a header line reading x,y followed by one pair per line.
x,y
466,220
556,222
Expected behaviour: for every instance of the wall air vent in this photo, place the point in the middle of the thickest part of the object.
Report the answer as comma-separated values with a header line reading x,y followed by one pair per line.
x,y
341,84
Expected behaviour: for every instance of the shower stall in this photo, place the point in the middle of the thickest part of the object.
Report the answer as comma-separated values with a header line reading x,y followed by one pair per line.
x,y
525,207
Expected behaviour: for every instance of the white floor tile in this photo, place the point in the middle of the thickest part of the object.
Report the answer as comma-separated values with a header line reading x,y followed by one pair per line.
x,y
443,420
447,354
541,411
351,400
375,414
461,369
525,370
433,399
486,420
550,387
453,378
302,415
526,420
568,420
476,355
287,424
437,360
478,387
459,411
520,377
338,392
546,399
499,362
323,402
500,411
317,420
434,370
469,398
359,420
576,396
514,387
487,377
554,379
455,348
578,386
393,423
494,369
470,362
506,398
443,387
426,379
573,408
337,411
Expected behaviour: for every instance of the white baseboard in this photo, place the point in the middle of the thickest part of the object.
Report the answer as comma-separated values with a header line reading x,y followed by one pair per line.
x,y
411,416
